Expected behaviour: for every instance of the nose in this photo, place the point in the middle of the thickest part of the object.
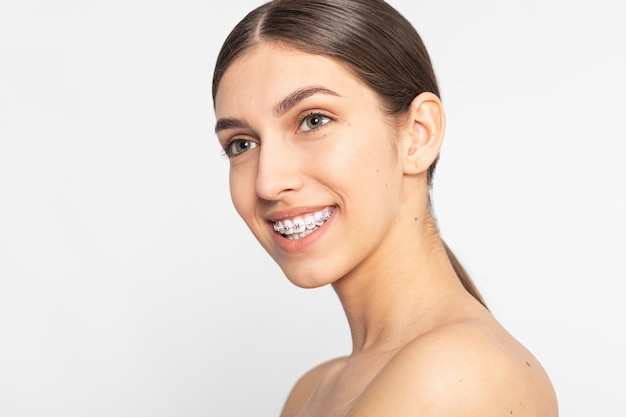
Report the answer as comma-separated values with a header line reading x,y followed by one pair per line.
x,y
278,171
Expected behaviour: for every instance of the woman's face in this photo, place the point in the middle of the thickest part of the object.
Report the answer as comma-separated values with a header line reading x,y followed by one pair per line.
x,y
313,169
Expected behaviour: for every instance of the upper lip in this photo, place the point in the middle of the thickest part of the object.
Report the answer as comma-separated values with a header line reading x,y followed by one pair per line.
x,y
295,212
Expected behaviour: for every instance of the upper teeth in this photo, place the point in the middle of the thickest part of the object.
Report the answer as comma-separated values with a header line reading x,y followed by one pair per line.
x,y
302,223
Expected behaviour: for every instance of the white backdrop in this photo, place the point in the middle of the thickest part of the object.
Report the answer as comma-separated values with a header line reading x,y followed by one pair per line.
x,y
128,285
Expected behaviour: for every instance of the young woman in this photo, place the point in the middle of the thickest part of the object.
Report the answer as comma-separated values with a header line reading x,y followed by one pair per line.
x,y
328,111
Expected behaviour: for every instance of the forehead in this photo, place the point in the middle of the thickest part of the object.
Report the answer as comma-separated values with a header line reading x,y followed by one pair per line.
x,y
269,71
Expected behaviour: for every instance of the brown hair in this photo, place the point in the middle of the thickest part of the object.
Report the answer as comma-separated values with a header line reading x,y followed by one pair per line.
x,y
373,39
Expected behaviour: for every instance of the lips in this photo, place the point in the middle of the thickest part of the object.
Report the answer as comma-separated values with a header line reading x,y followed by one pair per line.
x,y
301,226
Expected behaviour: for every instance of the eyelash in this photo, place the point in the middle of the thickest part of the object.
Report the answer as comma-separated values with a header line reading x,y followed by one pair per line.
x,y
320,115
226,150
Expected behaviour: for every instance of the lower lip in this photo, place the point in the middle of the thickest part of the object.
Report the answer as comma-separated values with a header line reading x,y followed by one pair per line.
x,y
299,245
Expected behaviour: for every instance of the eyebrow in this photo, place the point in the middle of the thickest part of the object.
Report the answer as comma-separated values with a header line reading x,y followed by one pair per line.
x,y
223,124
281,108
299,95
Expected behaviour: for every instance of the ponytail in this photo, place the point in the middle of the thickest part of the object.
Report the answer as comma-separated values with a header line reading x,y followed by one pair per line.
x,y
464,276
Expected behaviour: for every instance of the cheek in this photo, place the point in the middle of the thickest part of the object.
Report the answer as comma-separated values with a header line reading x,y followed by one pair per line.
x,y
368,159
242,192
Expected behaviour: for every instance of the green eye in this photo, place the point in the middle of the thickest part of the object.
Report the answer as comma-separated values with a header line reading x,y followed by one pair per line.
x,y
313,121
239,146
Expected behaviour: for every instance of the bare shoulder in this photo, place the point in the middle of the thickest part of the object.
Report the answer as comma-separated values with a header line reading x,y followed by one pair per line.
x,y
304,387
466,368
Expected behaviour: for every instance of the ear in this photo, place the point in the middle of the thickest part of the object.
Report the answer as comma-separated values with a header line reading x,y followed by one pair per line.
x,y
422,134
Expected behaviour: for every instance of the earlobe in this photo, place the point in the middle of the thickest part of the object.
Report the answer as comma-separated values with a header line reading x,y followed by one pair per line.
x,y
422,134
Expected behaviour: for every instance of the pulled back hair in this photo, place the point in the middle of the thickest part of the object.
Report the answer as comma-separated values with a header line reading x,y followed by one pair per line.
x,y
370,37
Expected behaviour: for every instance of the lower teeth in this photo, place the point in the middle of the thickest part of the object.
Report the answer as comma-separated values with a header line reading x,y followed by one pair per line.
x,y
308,226
296,236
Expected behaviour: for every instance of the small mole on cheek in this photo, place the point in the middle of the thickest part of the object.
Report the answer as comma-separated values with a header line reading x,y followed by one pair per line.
x,y
528,364
415,219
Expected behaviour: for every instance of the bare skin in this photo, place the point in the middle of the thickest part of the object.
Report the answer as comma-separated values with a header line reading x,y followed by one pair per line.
x,y
472,367
422,345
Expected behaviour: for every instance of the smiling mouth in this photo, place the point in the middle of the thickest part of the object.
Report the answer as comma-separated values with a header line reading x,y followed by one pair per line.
x,y
302,226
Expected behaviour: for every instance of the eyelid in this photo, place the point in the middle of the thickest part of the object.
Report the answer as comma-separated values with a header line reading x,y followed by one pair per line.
x,y
312,113
227,147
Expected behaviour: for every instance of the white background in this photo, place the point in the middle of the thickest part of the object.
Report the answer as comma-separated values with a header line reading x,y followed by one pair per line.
x,y
129,287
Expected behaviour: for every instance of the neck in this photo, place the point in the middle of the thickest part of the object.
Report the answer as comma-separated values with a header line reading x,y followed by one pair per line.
x,y
401,291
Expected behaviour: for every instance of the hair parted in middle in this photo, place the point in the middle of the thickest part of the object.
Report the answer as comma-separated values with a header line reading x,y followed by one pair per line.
x,y
371,38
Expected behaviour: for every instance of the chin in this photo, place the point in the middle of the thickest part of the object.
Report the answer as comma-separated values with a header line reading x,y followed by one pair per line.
x,y
308,279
